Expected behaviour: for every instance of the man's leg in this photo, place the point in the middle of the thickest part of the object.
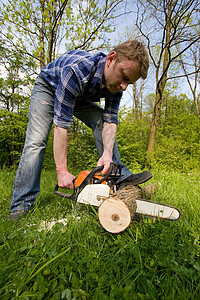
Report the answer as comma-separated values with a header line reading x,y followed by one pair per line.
x,y
92,115
27,181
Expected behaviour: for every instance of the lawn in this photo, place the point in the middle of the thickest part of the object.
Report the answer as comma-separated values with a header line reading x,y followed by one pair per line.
x,y
81,260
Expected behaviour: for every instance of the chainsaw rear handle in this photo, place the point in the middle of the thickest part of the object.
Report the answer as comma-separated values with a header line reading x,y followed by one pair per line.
x,y
58,193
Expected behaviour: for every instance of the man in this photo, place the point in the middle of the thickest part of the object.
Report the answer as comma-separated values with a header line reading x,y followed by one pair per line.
x,y
67,87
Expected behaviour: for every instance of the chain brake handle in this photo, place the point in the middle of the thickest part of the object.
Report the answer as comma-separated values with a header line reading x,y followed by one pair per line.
x,y
113,173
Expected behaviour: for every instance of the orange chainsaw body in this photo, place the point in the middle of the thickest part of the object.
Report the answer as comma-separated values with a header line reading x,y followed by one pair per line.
x,y
83,174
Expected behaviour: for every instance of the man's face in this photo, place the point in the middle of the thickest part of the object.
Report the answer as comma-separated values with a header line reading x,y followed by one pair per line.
x,y
117,76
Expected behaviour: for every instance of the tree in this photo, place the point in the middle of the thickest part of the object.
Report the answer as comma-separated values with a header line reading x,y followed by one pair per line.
x,y
190,64
15,85
32,34
138,98
39,28
164,25
14,76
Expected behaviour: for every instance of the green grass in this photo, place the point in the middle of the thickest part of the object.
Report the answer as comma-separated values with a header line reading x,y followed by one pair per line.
x,y
82,261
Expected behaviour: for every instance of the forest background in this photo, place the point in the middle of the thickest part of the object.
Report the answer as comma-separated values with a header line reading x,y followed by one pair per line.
x,y
159,128
159,118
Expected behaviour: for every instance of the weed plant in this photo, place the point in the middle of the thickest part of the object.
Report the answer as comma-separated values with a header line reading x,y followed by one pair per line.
x,y
149,260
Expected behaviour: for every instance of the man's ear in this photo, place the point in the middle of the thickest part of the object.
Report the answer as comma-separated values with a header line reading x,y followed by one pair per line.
x,y
111,58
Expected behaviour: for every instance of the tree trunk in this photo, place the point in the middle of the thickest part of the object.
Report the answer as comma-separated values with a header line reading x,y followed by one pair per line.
x,y
154,124
160,83
136,101
42,52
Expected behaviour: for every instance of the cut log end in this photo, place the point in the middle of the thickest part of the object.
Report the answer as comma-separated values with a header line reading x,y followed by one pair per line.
x,y
114,215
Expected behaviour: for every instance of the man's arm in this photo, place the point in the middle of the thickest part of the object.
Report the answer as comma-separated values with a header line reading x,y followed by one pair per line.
x,y
108,136
64,178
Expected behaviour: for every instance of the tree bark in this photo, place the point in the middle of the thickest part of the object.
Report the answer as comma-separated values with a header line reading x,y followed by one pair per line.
x,y
136,101
160,84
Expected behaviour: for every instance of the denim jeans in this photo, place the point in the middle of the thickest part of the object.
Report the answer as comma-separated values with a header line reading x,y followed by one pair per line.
x,y
27,181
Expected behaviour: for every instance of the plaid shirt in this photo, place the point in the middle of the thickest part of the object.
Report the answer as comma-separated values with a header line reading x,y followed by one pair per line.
x,y
77,76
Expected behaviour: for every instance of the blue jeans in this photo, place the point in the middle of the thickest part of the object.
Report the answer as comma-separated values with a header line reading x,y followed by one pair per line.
x,y
27,181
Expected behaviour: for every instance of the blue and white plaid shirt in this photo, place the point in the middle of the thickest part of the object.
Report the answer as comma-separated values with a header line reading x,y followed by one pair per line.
x,y
77,76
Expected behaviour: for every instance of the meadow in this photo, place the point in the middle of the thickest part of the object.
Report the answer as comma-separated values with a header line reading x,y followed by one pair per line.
x,y
81,260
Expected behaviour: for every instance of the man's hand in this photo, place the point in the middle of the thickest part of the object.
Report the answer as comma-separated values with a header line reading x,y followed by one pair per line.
x,y
105,162
60,156
65,180
108,136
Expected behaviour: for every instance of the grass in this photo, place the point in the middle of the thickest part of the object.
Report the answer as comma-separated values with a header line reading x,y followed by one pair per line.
x,y
82,261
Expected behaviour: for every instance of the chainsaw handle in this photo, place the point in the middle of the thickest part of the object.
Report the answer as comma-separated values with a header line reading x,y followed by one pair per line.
x,y
112,172
58,193
89,177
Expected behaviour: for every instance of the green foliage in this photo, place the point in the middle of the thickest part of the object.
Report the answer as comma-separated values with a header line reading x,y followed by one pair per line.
x,y
132,138
82,261
15,85
39,28
82,152
12,136
87,29
178,139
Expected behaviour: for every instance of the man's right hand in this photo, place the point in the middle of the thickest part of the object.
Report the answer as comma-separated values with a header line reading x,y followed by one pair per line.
x,y
65,180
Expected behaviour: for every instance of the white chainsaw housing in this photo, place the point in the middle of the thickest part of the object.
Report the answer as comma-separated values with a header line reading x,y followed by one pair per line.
x,y
94,194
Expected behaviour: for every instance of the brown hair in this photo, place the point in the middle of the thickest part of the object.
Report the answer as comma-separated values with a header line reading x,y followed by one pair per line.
x,y
135,51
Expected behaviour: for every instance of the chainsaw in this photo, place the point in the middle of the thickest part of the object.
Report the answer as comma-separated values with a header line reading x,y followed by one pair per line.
x,y
115,215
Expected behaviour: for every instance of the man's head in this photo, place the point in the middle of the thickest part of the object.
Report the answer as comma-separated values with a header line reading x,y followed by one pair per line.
x,y
125,64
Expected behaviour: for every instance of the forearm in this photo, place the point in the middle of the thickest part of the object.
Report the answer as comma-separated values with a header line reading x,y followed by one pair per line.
x,y
108,136
64,178
60,149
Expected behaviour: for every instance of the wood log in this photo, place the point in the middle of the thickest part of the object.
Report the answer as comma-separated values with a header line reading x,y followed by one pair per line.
x,y
150,189
114,215
117,211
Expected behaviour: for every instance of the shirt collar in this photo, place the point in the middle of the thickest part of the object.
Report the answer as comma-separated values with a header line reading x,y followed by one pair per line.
x,y
98,75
